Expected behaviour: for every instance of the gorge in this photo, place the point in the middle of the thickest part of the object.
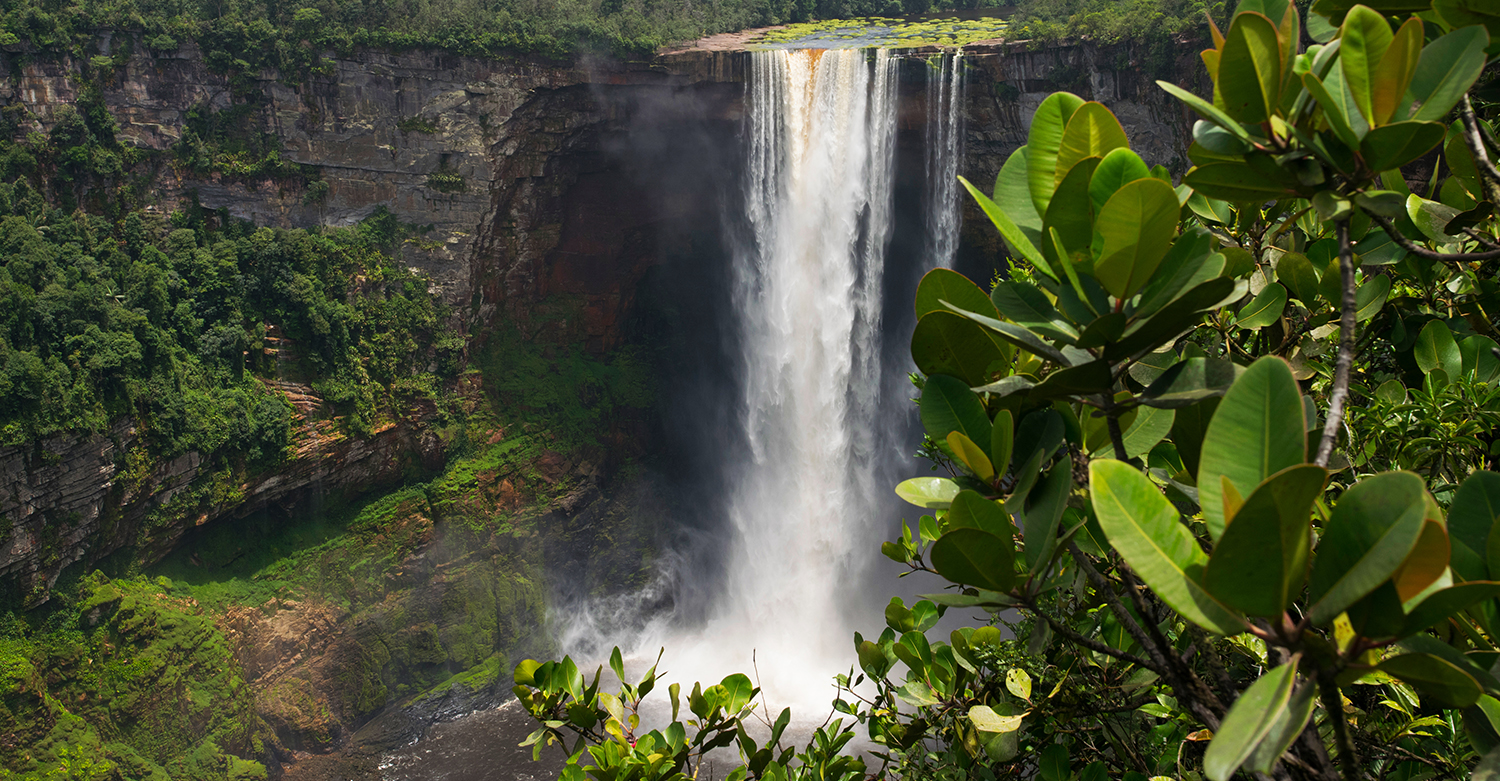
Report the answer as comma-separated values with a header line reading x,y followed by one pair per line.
x,y
571,215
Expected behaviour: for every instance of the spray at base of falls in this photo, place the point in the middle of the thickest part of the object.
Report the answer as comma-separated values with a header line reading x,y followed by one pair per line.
x,y
821,396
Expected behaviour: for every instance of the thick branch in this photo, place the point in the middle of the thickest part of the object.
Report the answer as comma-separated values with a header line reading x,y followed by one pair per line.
x,y
1347,325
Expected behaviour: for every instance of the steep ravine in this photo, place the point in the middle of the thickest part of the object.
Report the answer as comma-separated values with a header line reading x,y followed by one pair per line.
x,y
551,197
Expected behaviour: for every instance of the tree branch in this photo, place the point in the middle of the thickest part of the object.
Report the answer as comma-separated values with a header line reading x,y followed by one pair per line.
x,y
1093,645
1472,139
1347,326
1423,252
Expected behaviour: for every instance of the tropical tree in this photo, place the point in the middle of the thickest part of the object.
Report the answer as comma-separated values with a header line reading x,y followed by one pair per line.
x,y
1215,453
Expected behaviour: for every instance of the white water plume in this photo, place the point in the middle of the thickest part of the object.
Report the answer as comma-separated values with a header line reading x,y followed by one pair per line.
x,y
945,97
821,140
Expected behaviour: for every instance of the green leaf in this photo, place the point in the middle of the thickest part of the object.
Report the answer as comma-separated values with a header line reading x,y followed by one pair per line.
x,y
1260,561
1021,337
1256,432
1205,109
1393,146
1297,273
1045,509
1013,195
1043,142
1480,363
1190,262
1334,109
953,345
1249,720
1184,312
971,455
1054,765
1461,13
1150,427
1189,428
1288,727
1136,227
933,493
985,719
1471,520
971,510
1024,304
940,284
1394,73
974,557
1370,298
1264,309
1015,237
1440,605
1086,379
1435,349
1431,218
1372,529
947,405
1118,168
1190,381
1147,531
1434,677
1448,67
1070,215
1366,36
737,692
1238,183
1250,68
1092,131
1002,441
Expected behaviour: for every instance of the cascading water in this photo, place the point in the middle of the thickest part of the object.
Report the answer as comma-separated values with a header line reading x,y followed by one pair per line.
x,y
945,95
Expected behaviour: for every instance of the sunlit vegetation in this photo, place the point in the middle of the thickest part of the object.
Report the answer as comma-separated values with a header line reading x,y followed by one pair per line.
x,y
882,32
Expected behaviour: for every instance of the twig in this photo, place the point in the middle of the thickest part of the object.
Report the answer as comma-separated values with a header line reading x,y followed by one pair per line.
x,y
1092,645
1347,324
1487,170
1423,252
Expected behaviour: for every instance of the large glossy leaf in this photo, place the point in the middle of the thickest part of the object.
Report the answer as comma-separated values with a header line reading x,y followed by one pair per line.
x,y
974,557
1435,349
1174,318
1150,427
1018,336
1288,727
941,284
1136,227
1249,720
1264,309
1393,146
1043,141
1431,218
1435,677
1366,36
973,511
947,405
946,343
1189,428
1260,561
1013,195
1070,215
1238,183
1296,272
971,456
1256,432
1092,131
1190,381
1427,561
1370,298
1084,379
1461,13
1447,68
1471,519
1015,237
933,493
1044,509
1372,529
1023,303
1334,110
1190,262
1205,109
1442,604
1394,73
1250,68
1480,363
1147,531
1002,441
1117,169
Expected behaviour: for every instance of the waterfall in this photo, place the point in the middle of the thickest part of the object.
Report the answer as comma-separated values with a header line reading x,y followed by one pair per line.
x,y
945,96
820,138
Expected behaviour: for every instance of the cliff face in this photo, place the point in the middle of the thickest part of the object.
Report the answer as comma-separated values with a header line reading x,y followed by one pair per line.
x,y
542,214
